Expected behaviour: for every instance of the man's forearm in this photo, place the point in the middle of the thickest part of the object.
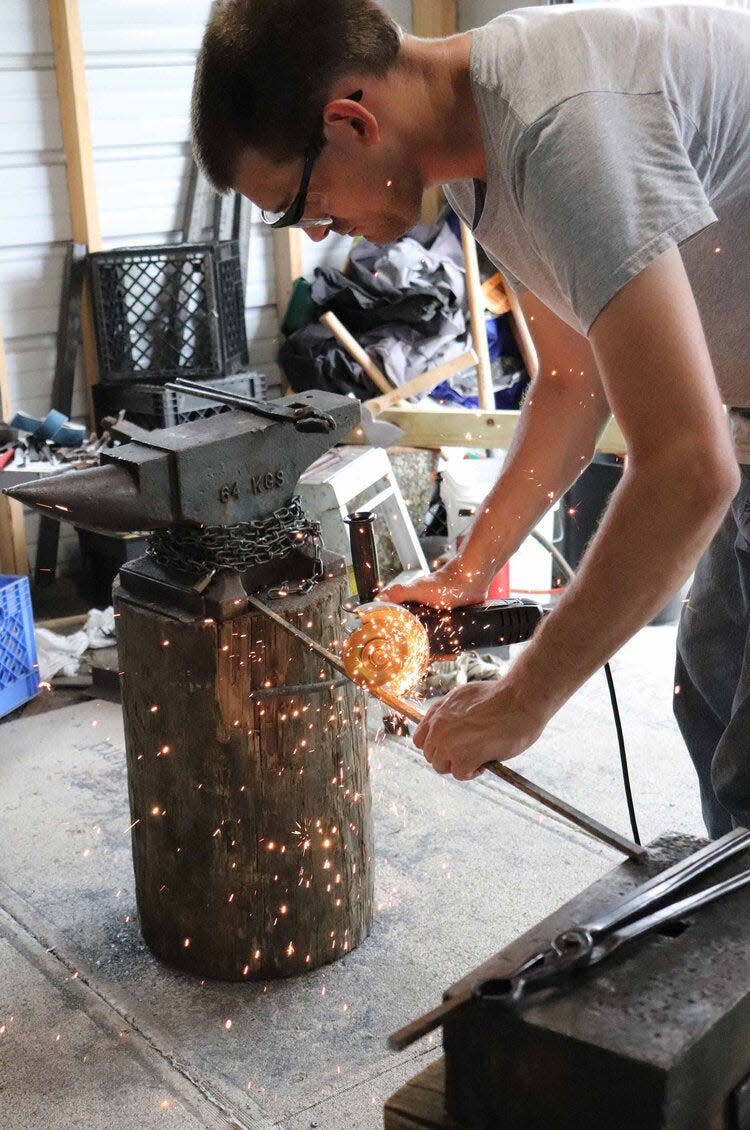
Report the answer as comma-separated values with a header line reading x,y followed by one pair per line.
x,y
554,441
658,523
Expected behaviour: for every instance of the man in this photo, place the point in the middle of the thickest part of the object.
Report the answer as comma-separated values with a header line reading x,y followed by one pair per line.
x,y
602,157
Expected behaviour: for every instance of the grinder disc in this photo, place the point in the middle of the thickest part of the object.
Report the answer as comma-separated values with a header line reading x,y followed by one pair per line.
x,y
389,648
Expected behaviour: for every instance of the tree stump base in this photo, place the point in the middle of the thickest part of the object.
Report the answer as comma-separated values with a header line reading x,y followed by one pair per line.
x,y
249,789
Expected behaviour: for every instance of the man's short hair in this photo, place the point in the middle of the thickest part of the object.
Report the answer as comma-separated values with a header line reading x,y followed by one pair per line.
x,y
265,70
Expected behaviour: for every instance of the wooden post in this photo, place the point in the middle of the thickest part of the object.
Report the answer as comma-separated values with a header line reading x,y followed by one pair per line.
x,y
249,790
65,22
433,19
287,260
12,530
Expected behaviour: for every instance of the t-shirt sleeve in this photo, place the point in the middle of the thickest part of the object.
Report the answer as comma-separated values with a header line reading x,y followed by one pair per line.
x,y
605,185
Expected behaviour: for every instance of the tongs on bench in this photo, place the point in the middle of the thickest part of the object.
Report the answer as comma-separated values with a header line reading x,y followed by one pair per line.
x,y
305,417
584,945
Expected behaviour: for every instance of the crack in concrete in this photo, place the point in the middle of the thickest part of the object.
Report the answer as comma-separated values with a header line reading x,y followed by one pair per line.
x,y
86,978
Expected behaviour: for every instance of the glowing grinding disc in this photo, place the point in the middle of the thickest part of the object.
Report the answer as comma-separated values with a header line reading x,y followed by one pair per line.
x,y
388,649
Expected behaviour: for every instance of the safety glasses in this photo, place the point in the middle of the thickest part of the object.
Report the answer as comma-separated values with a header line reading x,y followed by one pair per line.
x,y
294,215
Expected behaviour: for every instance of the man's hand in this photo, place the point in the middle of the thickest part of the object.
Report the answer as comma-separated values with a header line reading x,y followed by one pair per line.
x,y
477,723
451,586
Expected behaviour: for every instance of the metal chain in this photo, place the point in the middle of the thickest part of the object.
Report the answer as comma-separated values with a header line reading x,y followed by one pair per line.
x,y
241,546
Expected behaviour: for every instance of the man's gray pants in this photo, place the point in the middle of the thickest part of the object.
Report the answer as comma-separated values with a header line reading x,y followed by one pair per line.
x,y
712,675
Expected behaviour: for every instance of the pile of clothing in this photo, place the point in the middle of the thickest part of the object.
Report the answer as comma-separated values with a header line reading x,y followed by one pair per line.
x,y
405,303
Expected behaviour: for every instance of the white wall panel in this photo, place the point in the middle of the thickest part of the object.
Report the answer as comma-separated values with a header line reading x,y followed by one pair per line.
x,y
30,279
401,12
139,105
29,120
126,27
33,205
25,28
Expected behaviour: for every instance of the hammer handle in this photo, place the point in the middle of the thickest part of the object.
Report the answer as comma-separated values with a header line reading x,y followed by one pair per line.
x,y
352,346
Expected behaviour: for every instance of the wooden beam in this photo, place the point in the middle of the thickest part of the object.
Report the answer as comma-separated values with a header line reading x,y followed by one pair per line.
x,y
70,69
433,19
13,557
355,350
461,427
425,382
287,262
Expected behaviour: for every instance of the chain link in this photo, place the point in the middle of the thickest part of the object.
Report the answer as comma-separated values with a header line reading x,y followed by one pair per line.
x,y
242,546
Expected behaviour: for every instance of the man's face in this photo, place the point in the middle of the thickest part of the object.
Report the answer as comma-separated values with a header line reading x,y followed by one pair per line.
x,y
364,190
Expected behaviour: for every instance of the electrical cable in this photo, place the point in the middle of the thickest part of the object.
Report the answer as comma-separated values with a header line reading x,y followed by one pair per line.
x,y
554,552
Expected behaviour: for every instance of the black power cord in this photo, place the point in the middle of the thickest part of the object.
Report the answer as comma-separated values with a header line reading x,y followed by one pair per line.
x,y
554,552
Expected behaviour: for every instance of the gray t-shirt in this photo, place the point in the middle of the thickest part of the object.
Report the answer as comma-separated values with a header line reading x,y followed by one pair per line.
x,y
612,134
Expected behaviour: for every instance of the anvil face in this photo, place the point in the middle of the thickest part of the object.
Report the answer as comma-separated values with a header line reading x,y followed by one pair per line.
x,y
231,468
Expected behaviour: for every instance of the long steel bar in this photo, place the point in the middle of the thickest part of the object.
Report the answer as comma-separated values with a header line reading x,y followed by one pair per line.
x,y
580,819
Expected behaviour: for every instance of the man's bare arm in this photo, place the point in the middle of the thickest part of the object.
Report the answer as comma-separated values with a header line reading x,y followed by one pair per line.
x,y
562,416
680,478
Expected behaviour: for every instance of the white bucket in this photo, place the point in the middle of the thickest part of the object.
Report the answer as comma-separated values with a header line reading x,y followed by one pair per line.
x,y
465,483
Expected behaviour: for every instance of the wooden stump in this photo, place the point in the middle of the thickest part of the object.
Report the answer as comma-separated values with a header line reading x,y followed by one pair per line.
x,y
249,789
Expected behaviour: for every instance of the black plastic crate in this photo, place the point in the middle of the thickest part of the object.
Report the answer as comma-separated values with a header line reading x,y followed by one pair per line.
x,y
102,554
153,406
169,311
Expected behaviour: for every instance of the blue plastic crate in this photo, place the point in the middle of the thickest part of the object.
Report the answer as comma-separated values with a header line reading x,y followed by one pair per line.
x,y
19,670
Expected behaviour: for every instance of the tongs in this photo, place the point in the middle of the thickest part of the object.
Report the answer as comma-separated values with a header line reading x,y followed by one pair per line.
x,y
582,946
305,417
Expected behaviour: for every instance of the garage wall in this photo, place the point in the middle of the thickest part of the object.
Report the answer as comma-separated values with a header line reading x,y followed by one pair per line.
x,y
140,56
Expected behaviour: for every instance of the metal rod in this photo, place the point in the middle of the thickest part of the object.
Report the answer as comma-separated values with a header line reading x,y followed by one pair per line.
x,y
205,392
414,714
427,1023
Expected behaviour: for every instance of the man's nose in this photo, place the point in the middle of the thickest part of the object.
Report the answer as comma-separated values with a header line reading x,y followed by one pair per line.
x,y
316,234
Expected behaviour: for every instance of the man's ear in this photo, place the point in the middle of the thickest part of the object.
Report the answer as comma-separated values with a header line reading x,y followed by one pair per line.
x,y
345,119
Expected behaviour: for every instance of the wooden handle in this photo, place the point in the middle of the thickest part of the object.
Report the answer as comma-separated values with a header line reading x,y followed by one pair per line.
x,y
476,314
352,346
523,336
424,382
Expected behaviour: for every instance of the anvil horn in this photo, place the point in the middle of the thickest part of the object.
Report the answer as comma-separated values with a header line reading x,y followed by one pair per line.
x,y
100,497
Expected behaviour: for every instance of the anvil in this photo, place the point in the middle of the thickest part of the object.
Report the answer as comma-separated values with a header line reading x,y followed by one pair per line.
x,y
234,468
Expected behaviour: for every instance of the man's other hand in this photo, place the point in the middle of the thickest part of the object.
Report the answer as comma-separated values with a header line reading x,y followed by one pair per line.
x,y
451,586
477,723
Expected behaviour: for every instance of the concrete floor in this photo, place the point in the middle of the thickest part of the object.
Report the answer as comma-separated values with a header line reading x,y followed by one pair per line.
x,y
94,1032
